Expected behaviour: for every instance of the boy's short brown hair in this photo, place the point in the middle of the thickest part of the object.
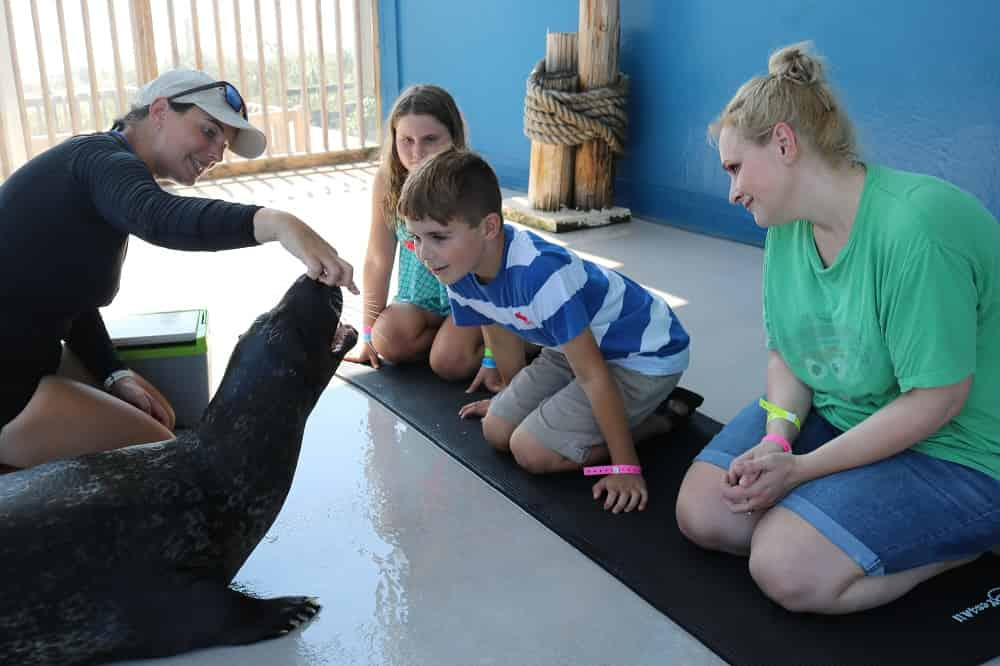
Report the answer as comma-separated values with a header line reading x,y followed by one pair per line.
x,y
456,185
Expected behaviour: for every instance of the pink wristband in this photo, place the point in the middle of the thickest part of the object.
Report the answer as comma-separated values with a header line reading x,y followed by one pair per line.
x,y
611,469
779,440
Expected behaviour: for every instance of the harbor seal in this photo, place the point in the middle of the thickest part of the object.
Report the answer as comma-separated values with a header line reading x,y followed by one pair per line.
x,y
129,553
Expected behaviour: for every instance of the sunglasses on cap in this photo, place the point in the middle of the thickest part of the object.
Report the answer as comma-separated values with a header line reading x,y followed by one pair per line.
x,y
232,95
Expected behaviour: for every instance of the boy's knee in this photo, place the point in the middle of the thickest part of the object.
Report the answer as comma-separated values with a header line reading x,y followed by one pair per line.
x,y
531,455
497,433
532,465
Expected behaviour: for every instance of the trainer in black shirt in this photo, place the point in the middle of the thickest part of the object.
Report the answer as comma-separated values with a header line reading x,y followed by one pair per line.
x,y
65,219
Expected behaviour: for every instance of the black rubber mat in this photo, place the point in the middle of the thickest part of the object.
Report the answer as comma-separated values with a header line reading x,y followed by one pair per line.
x,y
952,619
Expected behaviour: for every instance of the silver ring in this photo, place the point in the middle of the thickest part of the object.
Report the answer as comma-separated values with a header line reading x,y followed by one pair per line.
x,y
750,512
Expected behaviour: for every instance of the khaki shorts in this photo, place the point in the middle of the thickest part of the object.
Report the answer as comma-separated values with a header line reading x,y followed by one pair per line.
x,y
546,399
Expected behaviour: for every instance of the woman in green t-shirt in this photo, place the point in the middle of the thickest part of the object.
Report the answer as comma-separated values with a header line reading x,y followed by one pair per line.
x,y
873,462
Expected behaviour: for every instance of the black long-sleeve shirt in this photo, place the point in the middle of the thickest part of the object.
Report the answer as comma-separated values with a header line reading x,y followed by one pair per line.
x,y
65,219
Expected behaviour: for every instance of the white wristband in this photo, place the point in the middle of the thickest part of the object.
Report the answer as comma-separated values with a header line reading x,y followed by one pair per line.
x,y
115,376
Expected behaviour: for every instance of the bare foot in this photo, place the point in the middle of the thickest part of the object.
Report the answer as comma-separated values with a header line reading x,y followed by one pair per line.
x,y
680,405
670,415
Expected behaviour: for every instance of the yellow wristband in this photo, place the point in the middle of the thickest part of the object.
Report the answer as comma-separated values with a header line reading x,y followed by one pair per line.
x,y
775,412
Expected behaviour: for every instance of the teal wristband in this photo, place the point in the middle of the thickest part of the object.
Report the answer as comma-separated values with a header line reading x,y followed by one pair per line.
x,y
489,362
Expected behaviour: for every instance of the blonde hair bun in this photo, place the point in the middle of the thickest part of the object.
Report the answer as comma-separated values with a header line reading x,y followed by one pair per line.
x,y
797,64
795,91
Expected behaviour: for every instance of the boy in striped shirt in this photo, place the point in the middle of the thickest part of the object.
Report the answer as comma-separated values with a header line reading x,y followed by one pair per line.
x,y
612,352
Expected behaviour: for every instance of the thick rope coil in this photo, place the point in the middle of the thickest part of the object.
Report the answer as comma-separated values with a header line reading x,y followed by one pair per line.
x,y
572,118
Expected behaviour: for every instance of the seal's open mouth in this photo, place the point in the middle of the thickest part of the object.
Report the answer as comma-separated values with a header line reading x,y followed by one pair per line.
x,y
343,339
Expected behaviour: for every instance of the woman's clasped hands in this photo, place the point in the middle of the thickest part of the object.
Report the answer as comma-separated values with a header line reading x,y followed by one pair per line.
x,y
759,478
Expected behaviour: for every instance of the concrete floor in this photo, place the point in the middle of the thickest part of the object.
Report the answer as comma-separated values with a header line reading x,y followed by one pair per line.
x,y
415,559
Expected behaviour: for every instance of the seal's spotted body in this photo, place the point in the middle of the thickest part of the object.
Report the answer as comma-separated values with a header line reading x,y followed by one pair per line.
x,y
129,553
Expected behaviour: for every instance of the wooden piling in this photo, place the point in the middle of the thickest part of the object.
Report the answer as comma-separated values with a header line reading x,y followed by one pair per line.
x,y
550,178
598,65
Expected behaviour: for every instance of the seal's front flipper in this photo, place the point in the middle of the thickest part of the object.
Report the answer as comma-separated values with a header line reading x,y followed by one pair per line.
x,y
214,614
251,619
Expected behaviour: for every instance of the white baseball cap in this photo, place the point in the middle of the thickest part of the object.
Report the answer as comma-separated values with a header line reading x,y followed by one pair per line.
x,y
219,99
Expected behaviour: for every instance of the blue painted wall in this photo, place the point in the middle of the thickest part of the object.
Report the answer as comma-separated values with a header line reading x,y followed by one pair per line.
x,y
920,78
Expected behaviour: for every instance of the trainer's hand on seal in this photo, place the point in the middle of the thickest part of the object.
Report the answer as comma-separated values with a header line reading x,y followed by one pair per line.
x,y
477,408
133,391
625,492
320,258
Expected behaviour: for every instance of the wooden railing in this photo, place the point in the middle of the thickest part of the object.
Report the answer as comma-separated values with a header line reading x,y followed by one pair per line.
x,y
308,70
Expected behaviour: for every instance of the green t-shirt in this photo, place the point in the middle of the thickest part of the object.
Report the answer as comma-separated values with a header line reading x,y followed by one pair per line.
x,y
912,301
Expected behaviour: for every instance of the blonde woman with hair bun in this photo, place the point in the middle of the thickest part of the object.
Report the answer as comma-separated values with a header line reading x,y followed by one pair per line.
x,y
872,463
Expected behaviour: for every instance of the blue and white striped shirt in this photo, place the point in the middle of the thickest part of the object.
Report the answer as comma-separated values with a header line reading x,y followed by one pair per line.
x,y
548,295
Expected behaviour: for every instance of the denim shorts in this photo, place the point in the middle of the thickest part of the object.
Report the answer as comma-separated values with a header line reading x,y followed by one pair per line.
x,y
899,513
545,398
